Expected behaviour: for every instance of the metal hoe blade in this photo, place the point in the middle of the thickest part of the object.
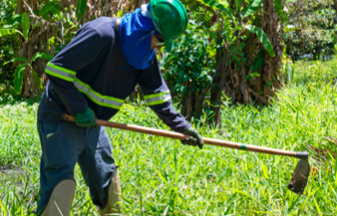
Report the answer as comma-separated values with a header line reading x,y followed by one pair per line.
x,y
301,174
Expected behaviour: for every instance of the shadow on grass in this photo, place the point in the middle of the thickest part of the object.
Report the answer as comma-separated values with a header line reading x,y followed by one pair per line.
x,y
8,96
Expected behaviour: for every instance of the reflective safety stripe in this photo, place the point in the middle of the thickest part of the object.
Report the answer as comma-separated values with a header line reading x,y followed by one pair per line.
x,y
159,98
60,72
96,97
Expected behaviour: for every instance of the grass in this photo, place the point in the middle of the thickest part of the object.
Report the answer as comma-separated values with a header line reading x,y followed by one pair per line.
x,y
159,176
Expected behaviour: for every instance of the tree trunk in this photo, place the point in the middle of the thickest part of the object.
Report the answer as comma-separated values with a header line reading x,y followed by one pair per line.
x,y
19,7
218,87
234,76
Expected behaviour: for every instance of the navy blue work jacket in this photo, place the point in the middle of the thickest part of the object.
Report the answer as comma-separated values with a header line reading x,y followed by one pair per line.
x,y
92,71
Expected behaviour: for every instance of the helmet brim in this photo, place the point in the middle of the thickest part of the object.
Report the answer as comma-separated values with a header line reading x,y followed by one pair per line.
x,y
168,45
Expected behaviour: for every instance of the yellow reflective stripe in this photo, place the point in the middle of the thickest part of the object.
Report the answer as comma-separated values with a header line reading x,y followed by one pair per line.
x,y
156,95
61,68
59,76
96,97
60,72
159,98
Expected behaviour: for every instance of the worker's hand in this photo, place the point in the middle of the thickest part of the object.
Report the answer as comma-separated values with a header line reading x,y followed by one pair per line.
x,y
194,140
86,119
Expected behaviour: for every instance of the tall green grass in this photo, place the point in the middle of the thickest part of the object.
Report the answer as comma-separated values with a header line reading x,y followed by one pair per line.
x,y
159,176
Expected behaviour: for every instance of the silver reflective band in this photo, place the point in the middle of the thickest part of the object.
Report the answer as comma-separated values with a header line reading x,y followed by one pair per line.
x,y
98,98
69,75
59,73
159,99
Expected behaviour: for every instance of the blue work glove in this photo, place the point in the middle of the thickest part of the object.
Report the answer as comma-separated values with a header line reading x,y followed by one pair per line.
x,y
86,119
194,140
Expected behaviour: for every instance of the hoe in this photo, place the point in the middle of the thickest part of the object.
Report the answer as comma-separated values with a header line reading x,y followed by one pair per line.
x,y
296,184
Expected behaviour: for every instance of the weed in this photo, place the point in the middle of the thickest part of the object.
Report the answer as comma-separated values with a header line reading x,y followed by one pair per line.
x,y
159,176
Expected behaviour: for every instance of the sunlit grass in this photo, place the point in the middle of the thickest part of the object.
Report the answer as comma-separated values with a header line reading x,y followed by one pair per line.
x,y
162,177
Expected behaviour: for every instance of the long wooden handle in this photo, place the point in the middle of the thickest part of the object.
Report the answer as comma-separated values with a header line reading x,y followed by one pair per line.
x,y
180,136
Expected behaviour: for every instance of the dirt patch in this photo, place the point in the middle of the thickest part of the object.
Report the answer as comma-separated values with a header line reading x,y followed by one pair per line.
x,y
13,174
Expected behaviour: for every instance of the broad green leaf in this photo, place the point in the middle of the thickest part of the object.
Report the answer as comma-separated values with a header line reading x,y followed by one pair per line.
x,y
4,32
241,45
42,55
219,5
52,7
37,80
238,5
278,6
262,37
14,21
81,7
18,59
15,18
25,25
251,8
224,3
18,78
6,26
258,61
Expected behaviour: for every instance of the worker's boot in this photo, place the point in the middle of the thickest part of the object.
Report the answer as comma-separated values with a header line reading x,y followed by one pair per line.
x,y
114,203
61,199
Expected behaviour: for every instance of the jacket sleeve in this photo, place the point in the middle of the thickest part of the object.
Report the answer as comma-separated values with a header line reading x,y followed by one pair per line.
x,y
158,97
62,69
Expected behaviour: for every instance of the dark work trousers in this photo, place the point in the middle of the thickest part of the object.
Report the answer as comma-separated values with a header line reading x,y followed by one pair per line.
x,y
62,146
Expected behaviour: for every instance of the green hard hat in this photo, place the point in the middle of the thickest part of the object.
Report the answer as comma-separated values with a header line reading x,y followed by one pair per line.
x,y
170,18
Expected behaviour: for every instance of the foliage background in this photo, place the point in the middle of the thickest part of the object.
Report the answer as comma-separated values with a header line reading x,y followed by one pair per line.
x,y
311,30
43,28
8,44
162,177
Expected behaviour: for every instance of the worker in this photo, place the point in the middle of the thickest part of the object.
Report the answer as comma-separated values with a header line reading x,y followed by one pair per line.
x,y
90,78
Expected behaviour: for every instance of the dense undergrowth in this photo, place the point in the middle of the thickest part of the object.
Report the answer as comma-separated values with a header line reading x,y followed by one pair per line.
x,y
159,176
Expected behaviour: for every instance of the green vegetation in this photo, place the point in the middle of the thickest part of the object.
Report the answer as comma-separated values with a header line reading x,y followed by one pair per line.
x,y
310,30
232,47
215,57
162,177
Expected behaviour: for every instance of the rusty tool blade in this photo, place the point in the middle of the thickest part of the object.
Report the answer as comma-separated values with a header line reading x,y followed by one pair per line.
x,y
301,174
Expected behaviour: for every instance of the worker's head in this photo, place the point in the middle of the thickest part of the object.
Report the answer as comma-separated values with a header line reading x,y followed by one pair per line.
x,y
150,26
170,18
